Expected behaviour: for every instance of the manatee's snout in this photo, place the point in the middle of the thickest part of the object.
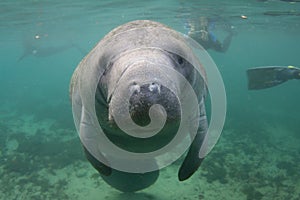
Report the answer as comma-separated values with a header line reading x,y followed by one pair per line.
x,y
146,95
142,98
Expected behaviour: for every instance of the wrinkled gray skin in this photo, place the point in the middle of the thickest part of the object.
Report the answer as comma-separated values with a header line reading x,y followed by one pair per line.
x,y
143,97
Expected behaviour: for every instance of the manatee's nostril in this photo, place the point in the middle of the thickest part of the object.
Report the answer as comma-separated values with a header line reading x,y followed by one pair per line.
x,y
142,98
135,89
154,87
149,95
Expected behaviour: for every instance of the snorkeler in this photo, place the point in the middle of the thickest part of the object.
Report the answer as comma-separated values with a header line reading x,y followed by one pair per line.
x,y
204,35
270,76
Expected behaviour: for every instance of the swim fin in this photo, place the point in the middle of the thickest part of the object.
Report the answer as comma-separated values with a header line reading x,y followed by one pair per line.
x,y
270,76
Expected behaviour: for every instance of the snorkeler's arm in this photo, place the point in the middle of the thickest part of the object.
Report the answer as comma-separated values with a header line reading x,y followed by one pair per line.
x,y
222,47
217,46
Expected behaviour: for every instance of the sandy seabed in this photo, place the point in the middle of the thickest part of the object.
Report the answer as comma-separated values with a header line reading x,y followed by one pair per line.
x,y
42,159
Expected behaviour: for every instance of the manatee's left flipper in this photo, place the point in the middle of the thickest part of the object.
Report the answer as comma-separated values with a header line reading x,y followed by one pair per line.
x,y
192,161
99,166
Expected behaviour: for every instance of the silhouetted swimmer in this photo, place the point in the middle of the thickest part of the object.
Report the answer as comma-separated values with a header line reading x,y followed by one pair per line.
x,y
31,49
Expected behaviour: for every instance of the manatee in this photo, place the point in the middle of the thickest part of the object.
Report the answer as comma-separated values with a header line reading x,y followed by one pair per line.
x,y
130,91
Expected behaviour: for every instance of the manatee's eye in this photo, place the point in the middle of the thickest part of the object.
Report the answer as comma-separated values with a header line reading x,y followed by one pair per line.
x,y
180,60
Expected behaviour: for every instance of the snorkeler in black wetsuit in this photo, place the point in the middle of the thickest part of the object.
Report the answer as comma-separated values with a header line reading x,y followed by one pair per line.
x,y
206,37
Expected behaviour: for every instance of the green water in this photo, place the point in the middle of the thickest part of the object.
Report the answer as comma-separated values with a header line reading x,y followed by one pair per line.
x,y
257,156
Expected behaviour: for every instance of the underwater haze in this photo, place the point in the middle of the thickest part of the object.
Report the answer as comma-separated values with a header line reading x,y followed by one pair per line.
x,y
42,42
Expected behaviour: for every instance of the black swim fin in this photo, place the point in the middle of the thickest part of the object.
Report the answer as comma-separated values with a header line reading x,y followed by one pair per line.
x,y
270,76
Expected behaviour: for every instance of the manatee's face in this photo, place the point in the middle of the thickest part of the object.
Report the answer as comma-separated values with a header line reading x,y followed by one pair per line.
x,y
143,84
156,85
143,96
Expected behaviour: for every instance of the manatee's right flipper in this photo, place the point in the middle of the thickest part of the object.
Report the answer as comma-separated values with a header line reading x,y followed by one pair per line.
x,y
192,160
